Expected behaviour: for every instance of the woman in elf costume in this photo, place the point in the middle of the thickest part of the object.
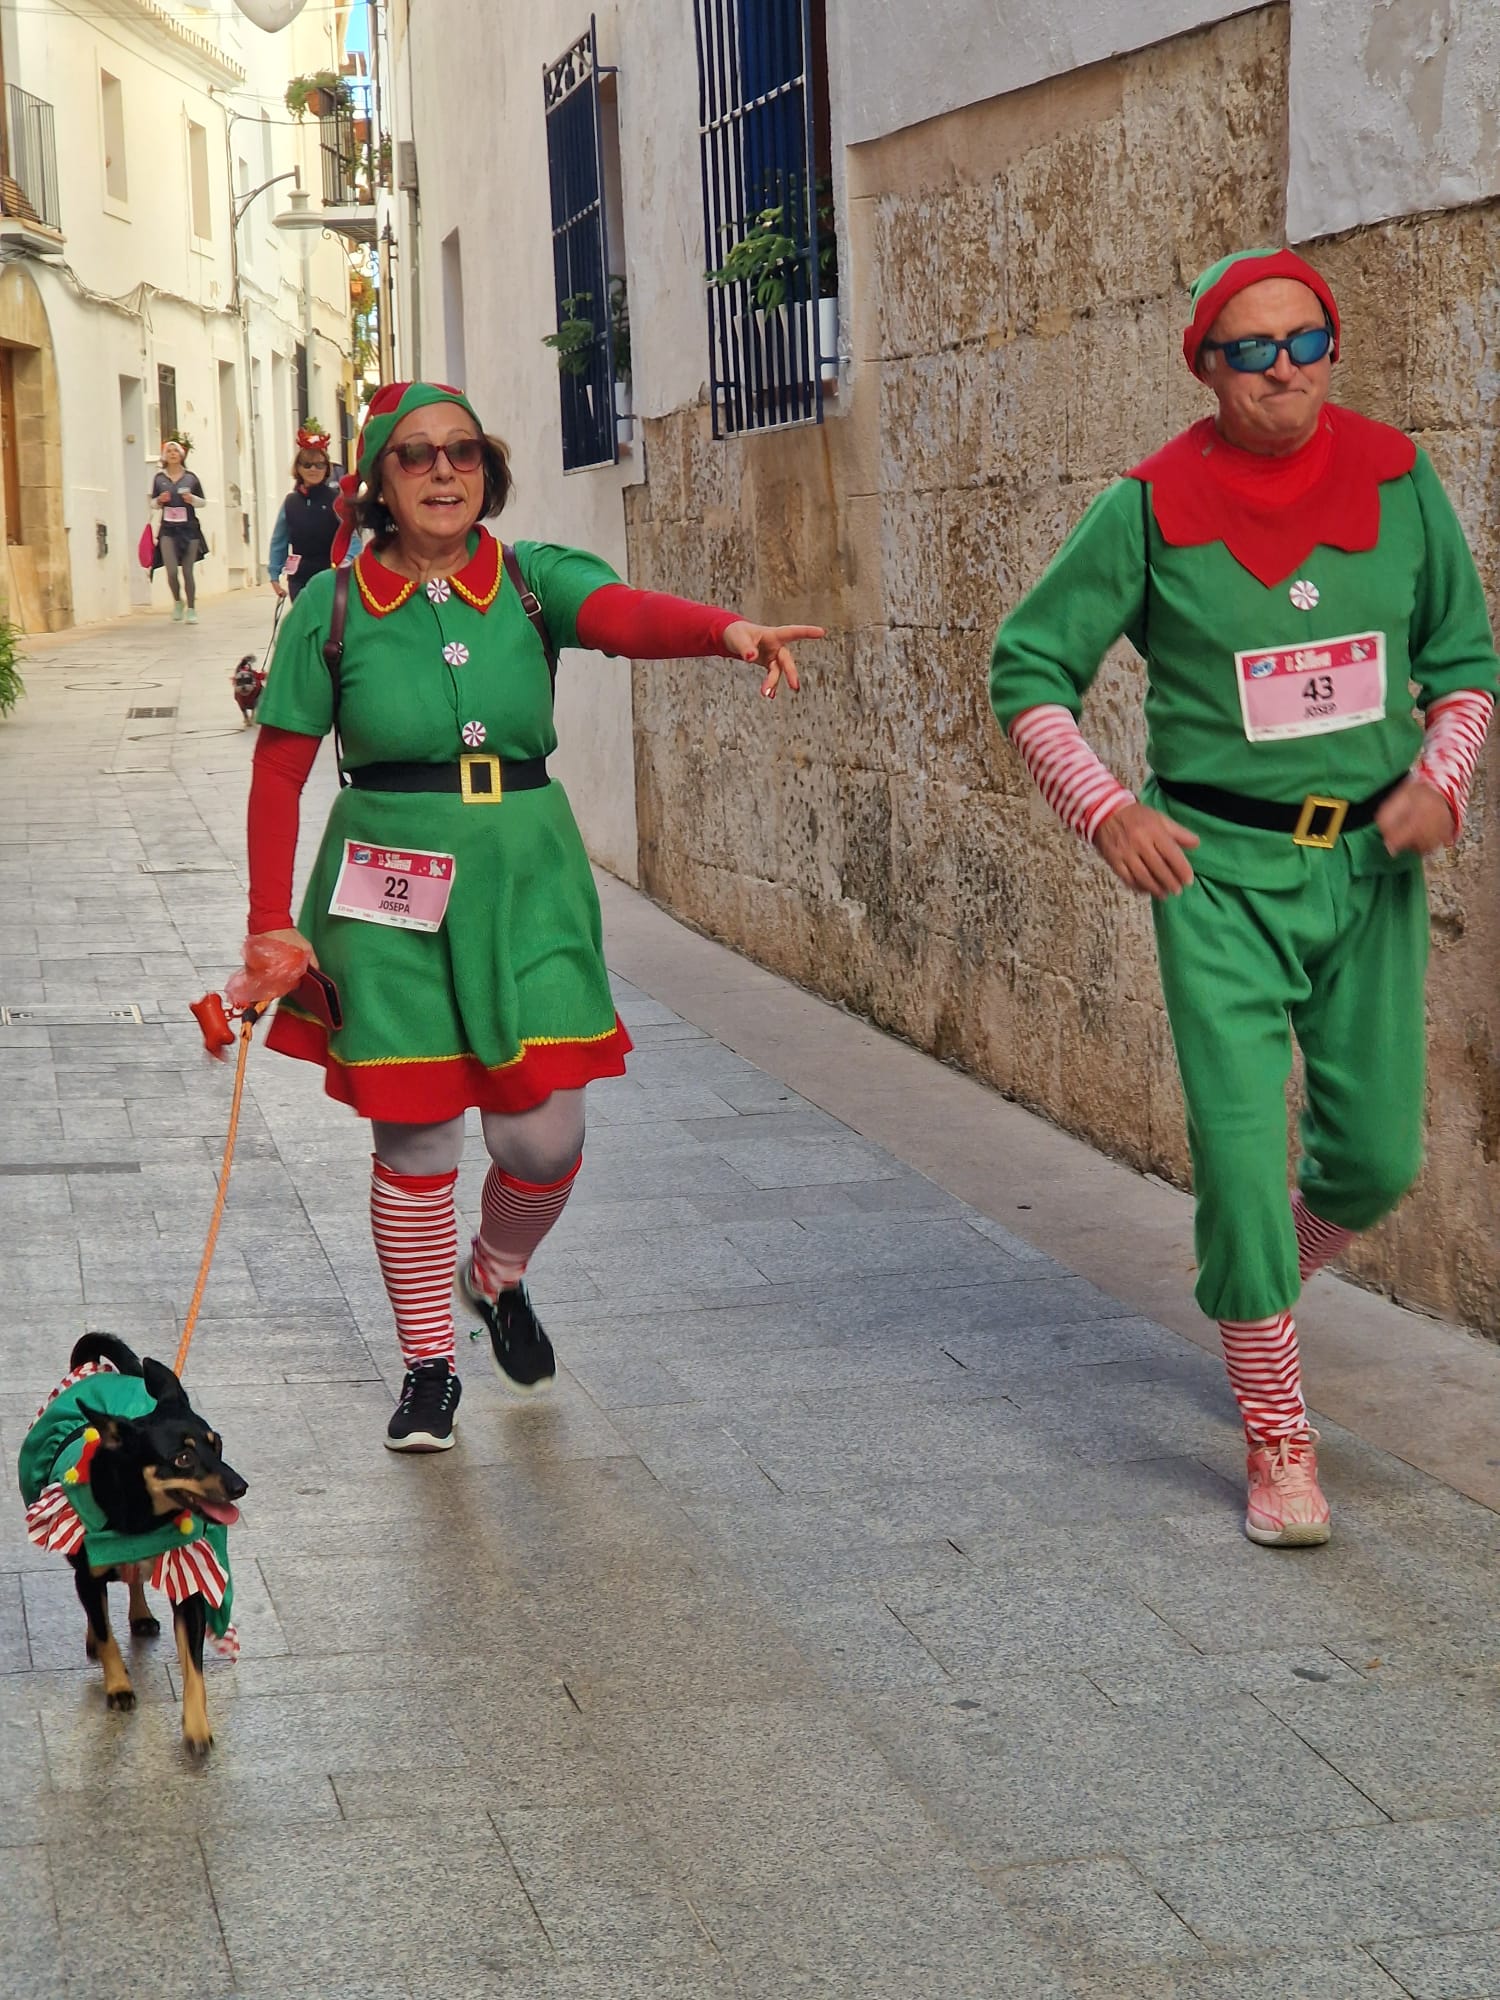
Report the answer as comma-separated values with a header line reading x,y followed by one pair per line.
x,y
451,909
1288,570
306,526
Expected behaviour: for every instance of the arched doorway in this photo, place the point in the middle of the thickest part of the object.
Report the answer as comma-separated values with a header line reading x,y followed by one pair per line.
x,y
37,581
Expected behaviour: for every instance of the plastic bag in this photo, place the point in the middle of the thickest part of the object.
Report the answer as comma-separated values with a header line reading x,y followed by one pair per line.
x,y
272,966
146,547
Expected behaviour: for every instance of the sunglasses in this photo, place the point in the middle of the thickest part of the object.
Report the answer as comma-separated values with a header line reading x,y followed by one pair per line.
x,y
1256,353
312,464
465,454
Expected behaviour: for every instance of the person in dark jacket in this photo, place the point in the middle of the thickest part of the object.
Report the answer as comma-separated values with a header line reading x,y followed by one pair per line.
x,y
180,540
302,540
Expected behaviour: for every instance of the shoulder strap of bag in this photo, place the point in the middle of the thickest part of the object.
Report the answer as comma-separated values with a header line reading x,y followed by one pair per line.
x,y
1146,538
531,605
333,650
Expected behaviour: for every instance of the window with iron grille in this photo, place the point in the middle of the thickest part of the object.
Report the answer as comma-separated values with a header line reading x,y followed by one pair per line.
x,y
584,342
757,96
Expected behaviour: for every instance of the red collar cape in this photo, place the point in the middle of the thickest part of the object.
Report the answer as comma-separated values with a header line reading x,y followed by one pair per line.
x,y
385,590
1271,513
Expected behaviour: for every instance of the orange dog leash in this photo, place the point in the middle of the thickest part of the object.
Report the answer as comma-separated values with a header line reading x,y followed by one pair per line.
x,y
217,1034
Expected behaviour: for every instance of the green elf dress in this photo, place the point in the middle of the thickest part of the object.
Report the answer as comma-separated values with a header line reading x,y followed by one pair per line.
x,y
188,1554
509,999
1296,620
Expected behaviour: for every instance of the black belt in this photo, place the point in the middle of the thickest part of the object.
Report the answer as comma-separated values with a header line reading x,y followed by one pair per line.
x,y
479,779
1316,821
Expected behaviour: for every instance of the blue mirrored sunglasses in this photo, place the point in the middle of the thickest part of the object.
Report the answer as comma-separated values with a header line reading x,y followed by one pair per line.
x,y
1257,352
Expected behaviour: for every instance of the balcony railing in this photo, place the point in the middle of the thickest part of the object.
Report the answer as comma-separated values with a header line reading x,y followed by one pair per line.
x,y
348,165
28,186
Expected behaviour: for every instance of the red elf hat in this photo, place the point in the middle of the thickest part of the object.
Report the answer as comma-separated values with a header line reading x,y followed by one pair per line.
x,y
1216,286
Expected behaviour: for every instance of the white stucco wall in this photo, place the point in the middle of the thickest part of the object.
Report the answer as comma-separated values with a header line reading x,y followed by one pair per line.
x,y
1395,108
490,185
104,327
1394,104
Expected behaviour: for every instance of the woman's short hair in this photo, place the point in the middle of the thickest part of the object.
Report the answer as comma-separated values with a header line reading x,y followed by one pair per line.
x,y
371,515
311,451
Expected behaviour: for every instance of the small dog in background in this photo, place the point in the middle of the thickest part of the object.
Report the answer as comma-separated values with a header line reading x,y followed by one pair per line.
x,y
123,1477
249,683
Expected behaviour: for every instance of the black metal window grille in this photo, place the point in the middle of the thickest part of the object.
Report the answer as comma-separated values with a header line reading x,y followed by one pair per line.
x,y
301,393
347,167
580,256
166,397
755,118
28,188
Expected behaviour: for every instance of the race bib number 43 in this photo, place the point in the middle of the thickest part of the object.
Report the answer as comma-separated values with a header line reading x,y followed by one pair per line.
x,y
1311,690
383,885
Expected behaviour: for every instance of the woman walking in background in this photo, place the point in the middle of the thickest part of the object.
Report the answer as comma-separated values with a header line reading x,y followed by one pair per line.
x,y
178,494
302,539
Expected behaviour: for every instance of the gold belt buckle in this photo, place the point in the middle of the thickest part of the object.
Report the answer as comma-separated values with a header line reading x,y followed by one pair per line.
x,y
491,792
1312,805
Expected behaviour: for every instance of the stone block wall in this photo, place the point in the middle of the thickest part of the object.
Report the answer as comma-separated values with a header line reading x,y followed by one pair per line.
x,y
1020,287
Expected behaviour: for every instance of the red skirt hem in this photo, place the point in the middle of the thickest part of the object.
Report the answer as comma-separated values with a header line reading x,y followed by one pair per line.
x,y
426,1092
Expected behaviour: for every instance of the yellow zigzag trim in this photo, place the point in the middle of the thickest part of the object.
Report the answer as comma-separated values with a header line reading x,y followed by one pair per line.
x,y
422,1062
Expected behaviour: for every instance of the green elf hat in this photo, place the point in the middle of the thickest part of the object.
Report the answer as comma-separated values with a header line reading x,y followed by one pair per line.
x,y
390,403
1216,286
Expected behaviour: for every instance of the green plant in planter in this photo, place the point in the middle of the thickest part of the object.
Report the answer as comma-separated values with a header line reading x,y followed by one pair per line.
x,y
322,92
619,329
765,258
574,339
828,241
12,687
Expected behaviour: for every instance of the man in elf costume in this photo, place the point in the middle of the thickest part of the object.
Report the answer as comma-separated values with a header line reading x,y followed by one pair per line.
x,y
1288,571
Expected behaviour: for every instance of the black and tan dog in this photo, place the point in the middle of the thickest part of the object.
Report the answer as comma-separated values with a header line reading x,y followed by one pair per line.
x,y
151,1467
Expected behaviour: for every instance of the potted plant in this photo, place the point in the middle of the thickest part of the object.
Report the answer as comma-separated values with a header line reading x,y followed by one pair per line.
x,y
12,687
828,283
575,336
619,347
322,93
764,259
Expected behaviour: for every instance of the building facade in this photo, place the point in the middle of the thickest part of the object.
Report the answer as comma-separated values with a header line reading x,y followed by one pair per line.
x,y
1016,196
145,288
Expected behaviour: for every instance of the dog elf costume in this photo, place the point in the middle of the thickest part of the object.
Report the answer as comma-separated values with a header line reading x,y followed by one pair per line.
x,y
188,1554
1284,607
451,902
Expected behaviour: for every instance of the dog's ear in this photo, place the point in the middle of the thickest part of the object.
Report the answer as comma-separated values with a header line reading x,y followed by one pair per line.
x,y
111,1429
161,1384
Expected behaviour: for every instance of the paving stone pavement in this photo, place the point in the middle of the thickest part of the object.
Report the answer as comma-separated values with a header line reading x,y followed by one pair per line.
x,y
866,1614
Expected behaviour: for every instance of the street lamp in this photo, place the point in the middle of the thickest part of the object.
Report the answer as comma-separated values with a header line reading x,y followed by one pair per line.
x,y
291,174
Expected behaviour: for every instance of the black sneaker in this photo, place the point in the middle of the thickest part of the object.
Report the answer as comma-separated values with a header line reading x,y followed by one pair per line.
x,y
423,1419
520,1350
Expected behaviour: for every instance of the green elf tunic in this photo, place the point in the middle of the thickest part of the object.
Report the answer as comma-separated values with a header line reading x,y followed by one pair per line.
x,y
510,999
188,1554
1335,938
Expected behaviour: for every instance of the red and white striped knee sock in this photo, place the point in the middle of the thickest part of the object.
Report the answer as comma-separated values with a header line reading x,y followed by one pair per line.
x,y
1264,1373
1318,1242
514,1217
415,1227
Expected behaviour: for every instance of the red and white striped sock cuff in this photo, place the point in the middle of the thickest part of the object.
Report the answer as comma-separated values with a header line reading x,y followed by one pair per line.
x,y
415,1227
1318,1242
1455,733
1080,788
1265,1375
515,1216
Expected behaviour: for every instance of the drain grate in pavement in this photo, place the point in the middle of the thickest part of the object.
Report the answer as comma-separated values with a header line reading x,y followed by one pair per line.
x,y
70,1167
57,1014
140,714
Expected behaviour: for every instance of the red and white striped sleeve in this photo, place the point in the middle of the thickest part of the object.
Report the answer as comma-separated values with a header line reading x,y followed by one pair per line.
x,y
1456,728
1079,787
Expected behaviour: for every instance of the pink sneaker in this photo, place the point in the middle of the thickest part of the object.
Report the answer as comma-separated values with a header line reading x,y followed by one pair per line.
x,y
1286,1508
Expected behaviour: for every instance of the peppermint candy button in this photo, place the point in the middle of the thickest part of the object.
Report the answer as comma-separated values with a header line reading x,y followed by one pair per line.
x,y
474,734
438,590
1303,594
457,654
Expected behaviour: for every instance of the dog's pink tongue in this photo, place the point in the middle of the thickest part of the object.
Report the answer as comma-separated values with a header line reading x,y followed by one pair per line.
x,y
222,1512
